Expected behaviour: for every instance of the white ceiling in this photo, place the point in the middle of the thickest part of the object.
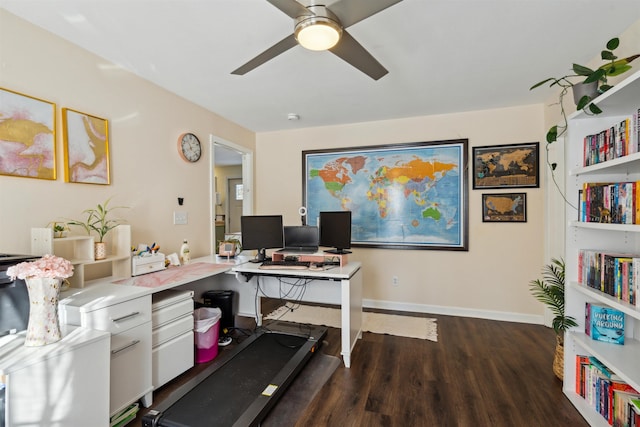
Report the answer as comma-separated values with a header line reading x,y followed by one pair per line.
x,y
443,56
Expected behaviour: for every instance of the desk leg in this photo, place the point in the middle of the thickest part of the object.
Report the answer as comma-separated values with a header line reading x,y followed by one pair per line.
x,y
351,313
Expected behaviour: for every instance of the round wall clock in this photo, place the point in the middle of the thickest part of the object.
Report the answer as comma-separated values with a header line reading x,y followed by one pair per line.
x,y
189,147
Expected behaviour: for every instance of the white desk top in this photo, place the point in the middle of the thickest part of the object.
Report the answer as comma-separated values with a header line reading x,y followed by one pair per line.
x,y
331,273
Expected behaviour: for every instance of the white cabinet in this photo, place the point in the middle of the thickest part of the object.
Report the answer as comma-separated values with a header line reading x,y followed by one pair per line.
x,y
617,104
79,251
172,335
58,385
125,312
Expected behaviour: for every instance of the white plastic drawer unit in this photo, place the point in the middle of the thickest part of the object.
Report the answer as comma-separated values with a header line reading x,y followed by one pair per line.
x,y
172,335
170,305
130,376
172,329
108,307
172,358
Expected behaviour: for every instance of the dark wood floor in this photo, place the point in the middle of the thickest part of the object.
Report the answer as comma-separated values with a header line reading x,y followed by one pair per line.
x,y
479,373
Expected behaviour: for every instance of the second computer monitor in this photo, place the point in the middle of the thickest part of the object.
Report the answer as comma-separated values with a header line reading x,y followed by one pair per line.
x,y
261,232
335,231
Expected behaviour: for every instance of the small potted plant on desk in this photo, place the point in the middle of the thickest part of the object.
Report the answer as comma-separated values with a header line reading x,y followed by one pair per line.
x,y
229,247
97,220
550,291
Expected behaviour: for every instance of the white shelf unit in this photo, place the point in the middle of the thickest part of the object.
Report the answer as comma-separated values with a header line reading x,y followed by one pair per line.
x,y
80,252
617,104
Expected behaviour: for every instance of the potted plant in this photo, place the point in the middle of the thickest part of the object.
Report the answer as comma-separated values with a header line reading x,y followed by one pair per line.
x,y
59,228
98,221
597,79
550,291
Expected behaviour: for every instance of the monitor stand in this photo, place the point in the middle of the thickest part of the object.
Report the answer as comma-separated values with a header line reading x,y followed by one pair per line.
x,y
337,251
261,257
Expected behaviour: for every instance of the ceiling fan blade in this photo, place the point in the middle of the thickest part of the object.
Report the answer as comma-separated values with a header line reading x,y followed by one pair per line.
x,y
275,50
351,11
291,8
352,52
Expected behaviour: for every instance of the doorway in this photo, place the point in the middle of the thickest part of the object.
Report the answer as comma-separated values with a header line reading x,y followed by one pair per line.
x,y
226,153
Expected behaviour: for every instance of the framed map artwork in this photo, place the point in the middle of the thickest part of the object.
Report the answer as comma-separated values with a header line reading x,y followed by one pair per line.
x,y
27,136
401,196
506,166
86,148
504,207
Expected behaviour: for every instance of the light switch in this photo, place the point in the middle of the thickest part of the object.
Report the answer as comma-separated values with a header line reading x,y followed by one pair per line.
x,y
180,218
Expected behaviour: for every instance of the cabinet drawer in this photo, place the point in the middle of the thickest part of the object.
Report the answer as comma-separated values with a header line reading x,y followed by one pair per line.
x,y
130,368
119,317
172,358
168,313
170,330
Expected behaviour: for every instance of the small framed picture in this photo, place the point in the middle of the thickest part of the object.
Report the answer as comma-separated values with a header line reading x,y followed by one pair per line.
x,y
504,207
506,166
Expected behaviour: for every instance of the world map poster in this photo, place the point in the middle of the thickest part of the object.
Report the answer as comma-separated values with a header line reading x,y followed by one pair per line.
x,y
404,196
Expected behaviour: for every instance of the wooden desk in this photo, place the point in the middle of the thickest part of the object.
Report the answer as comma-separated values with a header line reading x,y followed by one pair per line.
x,y
339,285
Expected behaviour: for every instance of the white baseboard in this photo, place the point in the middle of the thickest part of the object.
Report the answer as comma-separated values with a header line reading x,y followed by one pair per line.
x,y
453,311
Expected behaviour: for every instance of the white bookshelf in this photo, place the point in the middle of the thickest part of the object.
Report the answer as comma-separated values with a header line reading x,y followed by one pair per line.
x,y
617,104
78,249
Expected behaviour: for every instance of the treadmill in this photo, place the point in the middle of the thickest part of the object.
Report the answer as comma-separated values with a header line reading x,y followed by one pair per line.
x,y
241,389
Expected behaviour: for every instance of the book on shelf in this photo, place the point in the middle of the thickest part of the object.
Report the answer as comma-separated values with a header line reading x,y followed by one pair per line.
x,y
616,274
603,390
604,323
609,202
618,140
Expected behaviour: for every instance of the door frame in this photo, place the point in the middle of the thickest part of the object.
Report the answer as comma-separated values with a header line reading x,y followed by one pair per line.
x,y
247,182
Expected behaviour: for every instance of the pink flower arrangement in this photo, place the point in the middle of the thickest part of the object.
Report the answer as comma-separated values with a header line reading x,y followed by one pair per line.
x,y
49,266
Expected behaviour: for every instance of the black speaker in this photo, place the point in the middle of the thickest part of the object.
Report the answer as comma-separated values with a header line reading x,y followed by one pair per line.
x,y
224,301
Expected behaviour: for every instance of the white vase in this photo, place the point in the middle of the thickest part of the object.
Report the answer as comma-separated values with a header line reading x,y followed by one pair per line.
x,y
43,327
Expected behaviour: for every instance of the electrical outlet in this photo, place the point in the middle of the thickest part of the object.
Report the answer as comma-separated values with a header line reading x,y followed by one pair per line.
x,y
394,280
180,218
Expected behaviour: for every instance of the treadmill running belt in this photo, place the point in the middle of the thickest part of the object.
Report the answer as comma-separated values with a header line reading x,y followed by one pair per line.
x,y
232,393
223,397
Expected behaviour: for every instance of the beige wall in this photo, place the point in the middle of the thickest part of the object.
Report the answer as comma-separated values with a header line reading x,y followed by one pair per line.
x,y
490,279
146,173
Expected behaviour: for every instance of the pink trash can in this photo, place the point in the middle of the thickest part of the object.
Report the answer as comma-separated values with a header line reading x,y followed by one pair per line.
x,y
206,330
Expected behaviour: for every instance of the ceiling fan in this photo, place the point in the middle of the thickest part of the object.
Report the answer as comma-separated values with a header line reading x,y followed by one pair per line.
x,y
318,27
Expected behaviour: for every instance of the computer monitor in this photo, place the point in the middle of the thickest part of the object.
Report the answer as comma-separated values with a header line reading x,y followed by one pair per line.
x,y
300,238
261,232
335,231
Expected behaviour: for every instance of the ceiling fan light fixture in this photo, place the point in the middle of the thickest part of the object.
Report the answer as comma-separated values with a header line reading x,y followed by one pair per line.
x,y
321,31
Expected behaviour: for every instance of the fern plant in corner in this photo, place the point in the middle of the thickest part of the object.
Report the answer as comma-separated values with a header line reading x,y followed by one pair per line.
x,y
550,291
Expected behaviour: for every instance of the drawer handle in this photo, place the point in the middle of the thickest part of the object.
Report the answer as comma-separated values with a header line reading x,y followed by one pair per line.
x,y
120,319
131,344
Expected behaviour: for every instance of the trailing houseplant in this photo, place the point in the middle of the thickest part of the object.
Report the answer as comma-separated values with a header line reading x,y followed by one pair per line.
x,y
581,76
97,220
549,290
585,75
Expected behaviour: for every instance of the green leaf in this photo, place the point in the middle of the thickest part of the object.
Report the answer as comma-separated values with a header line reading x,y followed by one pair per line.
x,y
613,43
583,102
619,69
607,55
595,76
604,88
581,70
542,82
552,134
594,108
